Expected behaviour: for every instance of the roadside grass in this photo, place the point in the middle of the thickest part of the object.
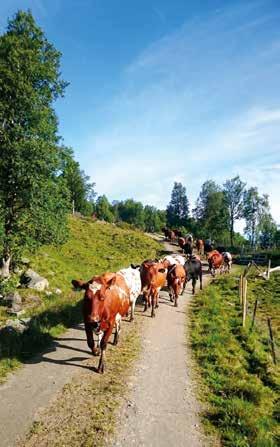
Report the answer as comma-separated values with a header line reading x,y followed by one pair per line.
x,y
85,412
239,380
93,247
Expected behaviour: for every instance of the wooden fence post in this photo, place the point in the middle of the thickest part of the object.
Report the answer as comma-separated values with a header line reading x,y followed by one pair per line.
x,y
271,340
240,289
254,313
268,269
244,303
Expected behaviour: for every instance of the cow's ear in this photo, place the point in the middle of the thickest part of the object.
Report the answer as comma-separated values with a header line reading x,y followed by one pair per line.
x,y
111,281
156,260
161,270
133,266
78,284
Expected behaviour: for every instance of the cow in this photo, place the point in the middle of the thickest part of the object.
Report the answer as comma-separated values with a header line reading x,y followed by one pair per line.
x,y
188,248
176,276
106,300
215,261
199,246
172,260
153,278
178,233
181,242
208,246
227,261
193,269
133,281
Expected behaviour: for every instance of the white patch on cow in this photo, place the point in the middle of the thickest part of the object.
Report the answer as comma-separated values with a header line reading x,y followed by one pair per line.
x,y
170,259
121,292
95,286
133,282
180,259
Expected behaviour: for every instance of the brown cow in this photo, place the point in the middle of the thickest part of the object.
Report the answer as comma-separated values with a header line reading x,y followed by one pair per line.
x,y
215,261
106,298
176,276
153,278
200,246
181,242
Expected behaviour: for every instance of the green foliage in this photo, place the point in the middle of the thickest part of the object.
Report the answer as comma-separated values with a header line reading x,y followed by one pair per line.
x,y
33,200
131,212
177,212
212,212
254,209
81,190
92,248
240,378
103,209
234,189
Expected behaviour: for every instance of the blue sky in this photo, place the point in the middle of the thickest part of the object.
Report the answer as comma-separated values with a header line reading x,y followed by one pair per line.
x,y
164,91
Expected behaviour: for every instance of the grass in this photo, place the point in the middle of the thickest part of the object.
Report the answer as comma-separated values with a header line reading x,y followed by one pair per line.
x,y
239,379
85,411
93,247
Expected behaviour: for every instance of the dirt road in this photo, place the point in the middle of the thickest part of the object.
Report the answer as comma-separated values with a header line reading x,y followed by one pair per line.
x,y
161,409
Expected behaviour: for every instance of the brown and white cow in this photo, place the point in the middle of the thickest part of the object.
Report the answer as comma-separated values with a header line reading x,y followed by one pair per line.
x,y
215,261
176,276
153,278
181,242
133,281
227,261
106,296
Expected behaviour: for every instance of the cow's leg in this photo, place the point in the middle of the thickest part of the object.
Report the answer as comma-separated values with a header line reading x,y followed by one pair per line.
x,y
193,285
103,346
200,278
118,330
132,310
184,286
90,339
153,305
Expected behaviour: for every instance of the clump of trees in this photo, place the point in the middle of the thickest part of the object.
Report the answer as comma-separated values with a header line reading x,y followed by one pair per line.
x,y
219,207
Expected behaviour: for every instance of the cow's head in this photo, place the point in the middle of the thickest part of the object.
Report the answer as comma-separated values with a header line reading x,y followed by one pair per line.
x,y
96,290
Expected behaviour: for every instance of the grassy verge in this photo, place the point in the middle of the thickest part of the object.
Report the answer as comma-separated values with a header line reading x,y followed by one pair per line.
x,y
93,248
85,411
241,383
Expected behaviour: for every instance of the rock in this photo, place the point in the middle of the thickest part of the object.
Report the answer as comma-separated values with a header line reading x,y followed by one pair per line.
x,y
13,298
25,261
57,291
34,281
18,271
15,310
48,292
17,325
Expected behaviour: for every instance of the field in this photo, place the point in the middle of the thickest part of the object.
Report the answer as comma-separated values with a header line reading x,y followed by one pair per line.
x,y
238,376
93,247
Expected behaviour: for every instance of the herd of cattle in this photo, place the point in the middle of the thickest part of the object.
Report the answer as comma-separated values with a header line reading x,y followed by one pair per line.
x,y
108,297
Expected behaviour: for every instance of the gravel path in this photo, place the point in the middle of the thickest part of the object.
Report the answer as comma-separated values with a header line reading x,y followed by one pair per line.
x,y
161,408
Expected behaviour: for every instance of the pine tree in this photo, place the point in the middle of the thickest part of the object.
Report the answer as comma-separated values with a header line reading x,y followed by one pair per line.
x,y
177,212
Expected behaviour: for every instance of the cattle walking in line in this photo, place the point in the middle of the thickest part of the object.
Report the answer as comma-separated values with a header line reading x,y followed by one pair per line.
x,y
215,261
172,260
176,276
181,242
106,299
153,278
193,269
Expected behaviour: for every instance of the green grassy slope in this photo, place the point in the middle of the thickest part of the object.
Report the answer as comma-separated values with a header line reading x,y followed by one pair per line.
x,y
241,383
93,247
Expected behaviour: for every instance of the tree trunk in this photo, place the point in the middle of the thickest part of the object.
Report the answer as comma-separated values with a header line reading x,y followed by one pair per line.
x,y
231,232
5,269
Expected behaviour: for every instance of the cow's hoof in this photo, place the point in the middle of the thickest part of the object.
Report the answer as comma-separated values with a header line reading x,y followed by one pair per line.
x,y
175,304
131,319
156,306
153,315
100,370
96,352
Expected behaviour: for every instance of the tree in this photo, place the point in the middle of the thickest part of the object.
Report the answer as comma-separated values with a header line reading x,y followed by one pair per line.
x,y
254,207
267,229
33,199
103,209
211,212
234,189
82,192
154,219
177,212
131,212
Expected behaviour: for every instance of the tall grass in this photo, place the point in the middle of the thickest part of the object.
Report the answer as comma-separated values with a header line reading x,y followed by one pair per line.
x,y
242,384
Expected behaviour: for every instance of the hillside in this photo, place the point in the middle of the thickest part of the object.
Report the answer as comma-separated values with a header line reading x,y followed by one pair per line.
x,y
92,248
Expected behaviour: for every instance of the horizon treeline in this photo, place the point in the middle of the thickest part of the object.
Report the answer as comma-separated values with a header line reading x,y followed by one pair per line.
x,y
41,182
